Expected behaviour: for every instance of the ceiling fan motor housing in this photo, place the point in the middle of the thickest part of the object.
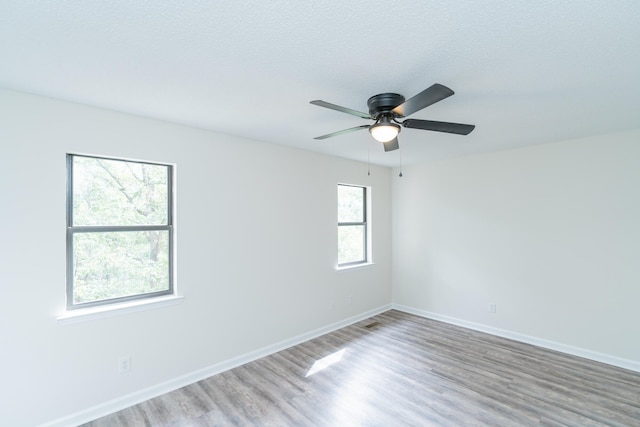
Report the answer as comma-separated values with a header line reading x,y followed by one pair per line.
x,y
383,103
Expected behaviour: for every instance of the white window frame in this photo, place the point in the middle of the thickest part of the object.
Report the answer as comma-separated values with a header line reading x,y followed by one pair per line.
x,y
72,230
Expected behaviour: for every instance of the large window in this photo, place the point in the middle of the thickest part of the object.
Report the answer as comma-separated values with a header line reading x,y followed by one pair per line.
x,y
119,230
352,225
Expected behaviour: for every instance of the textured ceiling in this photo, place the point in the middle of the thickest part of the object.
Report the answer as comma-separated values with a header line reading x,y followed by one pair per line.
x,y
524,72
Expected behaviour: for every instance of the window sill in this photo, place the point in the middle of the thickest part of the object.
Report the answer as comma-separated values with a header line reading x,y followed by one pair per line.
x,y
86,314
355,266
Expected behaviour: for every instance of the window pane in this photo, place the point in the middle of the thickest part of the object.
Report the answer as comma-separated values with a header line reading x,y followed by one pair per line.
x,y
119,264
114,192
350,243
350,204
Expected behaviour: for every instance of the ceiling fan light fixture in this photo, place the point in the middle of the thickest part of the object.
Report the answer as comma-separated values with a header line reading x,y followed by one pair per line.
x,y
384,130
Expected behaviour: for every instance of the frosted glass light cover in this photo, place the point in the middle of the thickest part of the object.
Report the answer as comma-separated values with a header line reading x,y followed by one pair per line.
x,y
384,133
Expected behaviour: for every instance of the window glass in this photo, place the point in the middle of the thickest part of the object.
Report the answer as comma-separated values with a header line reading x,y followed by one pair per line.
x,y
112,265
350,203
116,192
351,244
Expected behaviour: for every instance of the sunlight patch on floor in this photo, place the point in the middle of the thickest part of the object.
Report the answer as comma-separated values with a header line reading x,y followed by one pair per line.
x,y
325,362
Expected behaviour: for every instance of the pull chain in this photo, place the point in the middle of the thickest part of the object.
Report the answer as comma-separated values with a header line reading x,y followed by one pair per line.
x,y
400,175
368,157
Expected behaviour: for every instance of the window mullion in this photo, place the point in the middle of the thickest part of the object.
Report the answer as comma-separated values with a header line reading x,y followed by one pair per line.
x,y
115,228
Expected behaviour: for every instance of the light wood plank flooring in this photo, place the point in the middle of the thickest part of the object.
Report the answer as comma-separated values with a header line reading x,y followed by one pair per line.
x,y
403,370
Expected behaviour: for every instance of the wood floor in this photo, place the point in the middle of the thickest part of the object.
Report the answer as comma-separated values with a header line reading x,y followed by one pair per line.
x,y
402,370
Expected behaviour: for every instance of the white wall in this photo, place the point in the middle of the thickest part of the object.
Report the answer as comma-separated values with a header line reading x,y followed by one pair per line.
x,y
550,234
256,255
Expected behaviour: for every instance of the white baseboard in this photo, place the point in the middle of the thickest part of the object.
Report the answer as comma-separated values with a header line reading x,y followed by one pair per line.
x,y
552,345
131,399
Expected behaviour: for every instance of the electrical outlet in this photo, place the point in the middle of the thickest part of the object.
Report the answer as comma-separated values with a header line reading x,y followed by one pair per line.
x,y
332,306
350,300
124,364
492,308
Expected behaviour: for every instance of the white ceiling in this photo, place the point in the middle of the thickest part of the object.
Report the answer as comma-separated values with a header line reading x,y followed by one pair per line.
x,y
524,72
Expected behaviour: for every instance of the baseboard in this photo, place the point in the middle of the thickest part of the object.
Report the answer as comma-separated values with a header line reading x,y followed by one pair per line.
x,y
552,345
126,401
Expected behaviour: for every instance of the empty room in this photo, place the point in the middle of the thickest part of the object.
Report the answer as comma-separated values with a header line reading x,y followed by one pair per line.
x,y
320,213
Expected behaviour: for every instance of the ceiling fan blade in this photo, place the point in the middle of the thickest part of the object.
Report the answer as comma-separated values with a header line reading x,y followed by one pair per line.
x,y
341,132
429,96
341,109
457,128
391,145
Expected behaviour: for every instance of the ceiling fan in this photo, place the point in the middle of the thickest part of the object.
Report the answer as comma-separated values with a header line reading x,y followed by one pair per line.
x,y
387,108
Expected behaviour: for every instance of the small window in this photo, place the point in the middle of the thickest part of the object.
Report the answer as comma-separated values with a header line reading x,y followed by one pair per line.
x,y
119,230
352,225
